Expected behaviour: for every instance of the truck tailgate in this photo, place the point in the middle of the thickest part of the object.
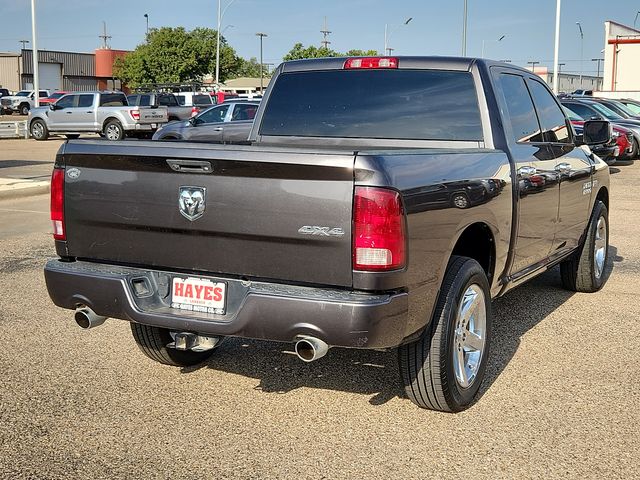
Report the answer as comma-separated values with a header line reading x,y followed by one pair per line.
x,y
261,207
153,115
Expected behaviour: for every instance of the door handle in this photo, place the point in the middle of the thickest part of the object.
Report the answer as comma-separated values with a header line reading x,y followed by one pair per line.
x,y
564,168
218,129
69,113
526,172
190,166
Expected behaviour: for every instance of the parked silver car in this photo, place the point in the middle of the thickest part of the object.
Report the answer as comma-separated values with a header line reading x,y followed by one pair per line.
x,y
229,122
107,113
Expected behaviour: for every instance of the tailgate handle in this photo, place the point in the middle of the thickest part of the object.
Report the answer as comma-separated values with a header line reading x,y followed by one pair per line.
x,y
190,166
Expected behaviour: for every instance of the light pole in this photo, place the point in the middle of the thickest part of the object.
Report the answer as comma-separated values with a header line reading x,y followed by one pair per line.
x,y
261,35
220,15
146,16
581,50
533,65
560,65
388,32
464,30
34,42
636,19
556,49
497,41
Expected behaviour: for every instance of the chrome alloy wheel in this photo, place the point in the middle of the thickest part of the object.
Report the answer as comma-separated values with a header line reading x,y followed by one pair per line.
x,y
113,132
469,336
37,130
600,247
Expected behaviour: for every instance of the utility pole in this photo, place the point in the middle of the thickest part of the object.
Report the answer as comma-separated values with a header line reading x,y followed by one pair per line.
x,y
533,65
146,16
464,30
34,42
261,35
560,65
556,49
598,60
325,35
105,38
24,47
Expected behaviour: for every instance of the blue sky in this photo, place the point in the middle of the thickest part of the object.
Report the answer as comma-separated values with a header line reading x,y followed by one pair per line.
x,y
436,28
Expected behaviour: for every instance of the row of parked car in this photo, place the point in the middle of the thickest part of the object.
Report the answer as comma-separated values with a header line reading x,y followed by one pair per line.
x,y
202,116
624,116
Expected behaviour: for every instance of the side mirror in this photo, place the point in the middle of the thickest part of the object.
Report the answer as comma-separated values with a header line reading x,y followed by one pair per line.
x,y
596,132
52,106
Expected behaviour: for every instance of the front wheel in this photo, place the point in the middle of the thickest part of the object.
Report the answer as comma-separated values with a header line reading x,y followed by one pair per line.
x,y
113,130
39,130
153,342
443,369
24,109
584,271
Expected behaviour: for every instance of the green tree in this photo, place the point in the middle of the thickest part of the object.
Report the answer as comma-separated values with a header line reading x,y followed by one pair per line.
x,y
250,68
362,53
299,52
174,55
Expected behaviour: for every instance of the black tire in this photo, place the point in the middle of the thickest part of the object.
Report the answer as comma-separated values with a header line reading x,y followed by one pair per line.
x,y
427,364
72,136
38,130
113,130
24,109
153,341
580,272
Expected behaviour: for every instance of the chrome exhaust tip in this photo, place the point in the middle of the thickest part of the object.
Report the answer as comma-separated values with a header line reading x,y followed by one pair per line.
x,y
87,318
309,349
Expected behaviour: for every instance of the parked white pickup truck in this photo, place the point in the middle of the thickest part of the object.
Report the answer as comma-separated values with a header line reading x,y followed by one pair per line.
x,y
106,113
21,102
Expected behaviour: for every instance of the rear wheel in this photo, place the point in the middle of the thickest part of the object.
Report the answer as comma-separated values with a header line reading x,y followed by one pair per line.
x,y
585,270
153,342
113,130
39,130
443,369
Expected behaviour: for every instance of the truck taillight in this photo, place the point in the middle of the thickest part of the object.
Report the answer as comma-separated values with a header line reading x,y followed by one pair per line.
x,y
194,111
371,62
135,114
57,203
379,229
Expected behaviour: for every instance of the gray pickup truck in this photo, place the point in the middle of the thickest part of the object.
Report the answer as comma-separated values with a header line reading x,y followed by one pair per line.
x,y
106,113
175,111
383,204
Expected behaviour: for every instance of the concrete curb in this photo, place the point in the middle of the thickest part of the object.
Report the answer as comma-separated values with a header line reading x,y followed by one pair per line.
x,y
23,188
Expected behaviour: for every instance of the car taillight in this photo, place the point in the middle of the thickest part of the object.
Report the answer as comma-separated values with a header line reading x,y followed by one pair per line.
x,y
135,114
194,111
371,62
378,229
57,203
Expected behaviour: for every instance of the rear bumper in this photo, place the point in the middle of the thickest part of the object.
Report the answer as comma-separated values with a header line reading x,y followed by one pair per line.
x,y
257,310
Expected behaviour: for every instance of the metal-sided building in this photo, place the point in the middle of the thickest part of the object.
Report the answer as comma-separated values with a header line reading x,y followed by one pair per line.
x,y
70,71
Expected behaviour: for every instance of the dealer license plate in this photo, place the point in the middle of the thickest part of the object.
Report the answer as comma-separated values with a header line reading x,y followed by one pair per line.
x,y
198,295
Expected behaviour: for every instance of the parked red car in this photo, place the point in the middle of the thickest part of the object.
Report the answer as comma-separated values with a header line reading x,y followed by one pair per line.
x,y
53,98
220,97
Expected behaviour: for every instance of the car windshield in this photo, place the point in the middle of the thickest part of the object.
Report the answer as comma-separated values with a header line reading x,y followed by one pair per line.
x,y
371,103
624,109
22,94
634,107
606,112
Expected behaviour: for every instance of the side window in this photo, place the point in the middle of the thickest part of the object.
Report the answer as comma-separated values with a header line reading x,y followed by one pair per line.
x,y
85,101
43,94
113,100
554,124
522,115
132,100
145,100
585,112
214,115
167,100
181,99
66,101
243,112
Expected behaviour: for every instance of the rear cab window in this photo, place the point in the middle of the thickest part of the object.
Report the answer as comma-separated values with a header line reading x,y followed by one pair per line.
x,y
113,100
402,104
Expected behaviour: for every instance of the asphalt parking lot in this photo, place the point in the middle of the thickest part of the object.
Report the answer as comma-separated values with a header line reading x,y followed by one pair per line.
x,y
560,399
